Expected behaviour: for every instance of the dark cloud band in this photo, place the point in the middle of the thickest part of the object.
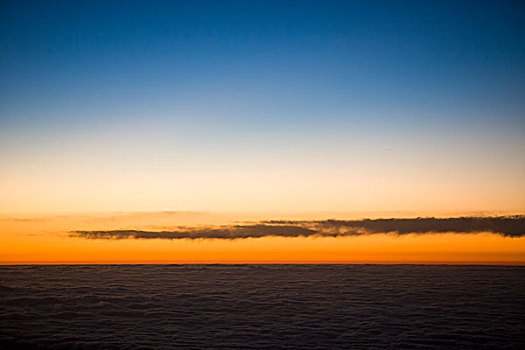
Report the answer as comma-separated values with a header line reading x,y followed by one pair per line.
x,y
508,226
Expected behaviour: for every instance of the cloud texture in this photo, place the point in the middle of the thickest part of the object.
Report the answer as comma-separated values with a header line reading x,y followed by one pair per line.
x,y
508,226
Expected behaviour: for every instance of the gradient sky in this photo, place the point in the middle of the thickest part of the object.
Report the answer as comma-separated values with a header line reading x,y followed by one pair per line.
x,y
194,110
262,105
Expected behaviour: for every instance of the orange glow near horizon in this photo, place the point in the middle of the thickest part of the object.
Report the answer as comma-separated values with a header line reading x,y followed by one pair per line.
x,y
42,240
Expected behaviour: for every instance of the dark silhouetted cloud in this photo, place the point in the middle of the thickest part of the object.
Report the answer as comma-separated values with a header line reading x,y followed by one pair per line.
x,y
508,226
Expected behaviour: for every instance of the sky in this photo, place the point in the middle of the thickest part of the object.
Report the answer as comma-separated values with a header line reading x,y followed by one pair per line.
x,y
271,107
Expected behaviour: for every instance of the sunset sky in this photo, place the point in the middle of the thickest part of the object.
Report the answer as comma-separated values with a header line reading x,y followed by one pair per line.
x,y
152,115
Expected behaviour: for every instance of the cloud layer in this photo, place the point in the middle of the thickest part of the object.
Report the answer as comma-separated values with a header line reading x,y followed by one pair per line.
x,y
508,226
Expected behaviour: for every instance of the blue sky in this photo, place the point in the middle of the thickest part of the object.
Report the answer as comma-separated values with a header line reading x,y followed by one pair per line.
x,y
284,82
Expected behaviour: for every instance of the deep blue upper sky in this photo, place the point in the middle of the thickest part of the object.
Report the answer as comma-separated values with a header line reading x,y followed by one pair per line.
x,y
416,74
287,59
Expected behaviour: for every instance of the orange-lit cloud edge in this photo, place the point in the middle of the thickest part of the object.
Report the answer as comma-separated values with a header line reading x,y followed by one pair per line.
x,y
46,239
